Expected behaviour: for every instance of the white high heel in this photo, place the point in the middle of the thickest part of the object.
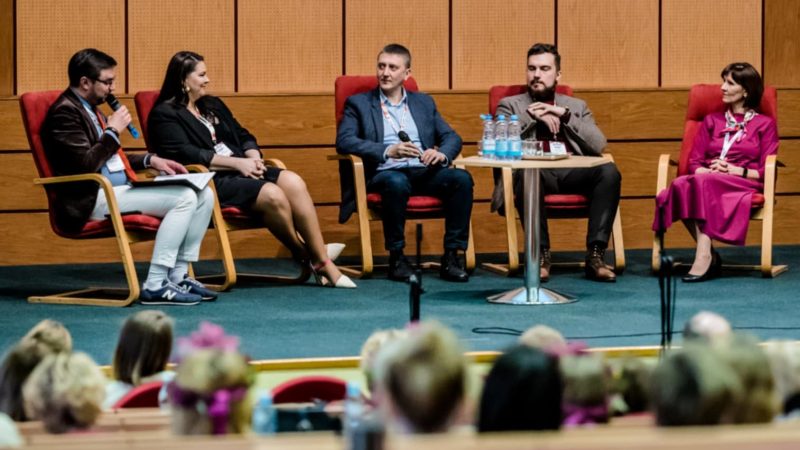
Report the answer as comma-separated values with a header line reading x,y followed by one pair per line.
x,y
342,282
333,250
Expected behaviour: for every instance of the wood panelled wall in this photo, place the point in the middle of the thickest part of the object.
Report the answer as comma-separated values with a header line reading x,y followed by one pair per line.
x,y
268,46
275,63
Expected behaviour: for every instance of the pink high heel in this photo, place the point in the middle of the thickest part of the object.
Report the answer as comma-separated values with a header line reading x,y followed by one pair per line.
x,y
342,282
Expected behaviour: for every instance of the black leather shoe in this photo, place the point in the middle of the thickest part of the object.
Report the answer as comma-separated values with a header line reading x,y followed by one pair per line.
x,y
713,271
544,264
399,267
452,269
596,267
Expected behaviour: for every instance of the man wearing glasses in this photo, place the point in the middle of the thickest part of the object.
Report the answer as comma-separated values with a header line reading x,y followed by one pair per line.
x,y
78,138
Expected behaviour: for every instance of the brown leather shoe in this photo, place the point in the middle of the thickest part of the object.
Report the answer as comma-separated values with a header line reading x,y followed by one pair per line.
x,y
596,268
544,265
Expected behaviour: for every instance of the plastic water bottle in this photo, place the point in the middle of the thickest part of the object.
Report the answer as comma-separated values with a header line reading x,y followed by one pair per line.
x,y
264,415
353,411
514,138
487,141
501,137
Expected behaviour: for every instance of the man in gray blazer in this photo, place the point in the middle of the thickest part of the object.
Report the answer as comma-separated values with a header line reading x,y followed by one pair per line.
x,y
407,148
565,124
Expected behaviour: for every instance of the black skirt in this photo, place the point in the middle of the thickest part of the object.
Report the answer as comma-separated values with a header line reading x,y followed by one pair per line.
x,y
235,190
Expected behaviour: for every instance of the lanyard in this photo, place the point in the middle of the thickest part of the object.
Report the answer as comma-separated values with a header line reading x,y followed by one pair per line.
x,y
395,126
210,127
733,125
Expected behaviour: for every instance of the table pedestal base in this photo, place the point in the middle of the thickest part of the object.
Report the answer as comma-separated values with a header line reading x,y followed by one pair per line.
x,y
538,296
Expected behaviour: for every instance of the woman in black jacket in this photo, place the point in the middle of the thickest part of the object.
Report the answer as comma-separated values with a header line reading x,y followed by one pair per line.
x,y
191,127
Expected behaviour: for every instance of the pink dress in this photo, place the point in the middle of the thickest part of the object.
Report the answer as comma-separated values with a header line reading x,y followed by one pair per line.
x,y
720,203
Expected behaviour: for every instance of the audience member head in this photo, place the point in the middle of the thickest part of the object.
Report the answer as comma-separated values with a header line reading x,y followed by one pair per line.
x,y
631,378
759,403
422,379
544,338
694,386
45,338
369,352
585,389
707,326
174,89
65,392
208,393
784,359
144,346
746,76
522,392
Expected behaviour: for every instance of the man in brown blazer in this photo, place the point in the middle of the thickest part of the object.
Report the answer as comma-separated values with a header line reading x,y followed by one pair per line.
x,y
565,124
78,138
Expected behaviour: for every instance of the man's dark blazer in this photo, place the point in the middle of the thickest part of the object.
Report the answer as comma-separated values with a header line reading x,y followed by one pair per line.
x,y
73,147
175,133
360,133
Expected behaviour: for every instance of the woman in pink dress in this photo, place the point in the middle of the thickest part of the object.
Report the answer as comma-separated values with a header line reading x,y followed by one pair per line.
x,y
726,167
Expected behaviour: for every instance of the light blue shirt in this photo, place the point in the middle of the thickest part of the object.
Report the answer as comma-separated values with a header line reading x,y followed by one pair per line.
x,y
117,178
400,120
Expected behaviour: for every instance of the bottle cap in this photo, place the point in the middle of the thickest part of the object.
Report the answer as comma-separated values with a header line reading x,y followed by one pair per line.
x,y
514,117
501,117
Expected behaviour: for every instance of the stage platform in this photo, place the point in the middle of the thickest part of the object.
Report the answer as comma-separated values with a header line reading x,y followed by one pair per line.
x,y
280,322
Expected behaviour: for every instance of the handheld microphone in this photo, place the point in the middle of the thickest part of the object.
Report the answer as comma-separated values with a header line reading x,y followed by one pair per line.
x,y
112,101
403,136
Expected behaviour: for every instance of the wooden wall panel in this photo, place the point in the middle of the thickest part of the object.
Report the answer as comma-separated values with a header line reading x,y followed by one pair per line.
x,y
17,172
781,46
49,32
158,29
700,37
420,25
289,46
608,43
490,43
7,47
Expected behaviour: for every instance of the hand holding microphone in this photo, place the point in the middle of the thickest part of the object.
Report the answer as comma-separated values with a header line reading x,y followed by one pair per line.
x,y
121,117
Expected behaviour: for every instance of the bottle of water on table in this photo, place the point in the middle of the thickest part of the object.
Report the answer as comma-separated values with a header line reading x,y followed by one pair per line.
x,y
501,138
514,138
487,141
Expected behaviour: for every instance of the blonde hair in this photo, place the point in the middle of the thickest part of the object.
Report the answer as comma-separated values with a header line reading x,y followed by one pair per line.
x,y
65,392
424,377
48,336
369,351
543,338
202,374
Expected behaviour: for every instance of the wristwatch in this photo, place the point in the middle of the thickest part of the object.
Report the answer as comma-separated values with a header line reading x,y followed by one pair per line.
x,y
565,117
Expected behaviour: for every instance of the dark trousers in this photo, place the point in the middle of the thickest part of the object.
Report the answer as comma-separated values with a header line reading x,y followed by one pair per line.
x,y
452,186
600,184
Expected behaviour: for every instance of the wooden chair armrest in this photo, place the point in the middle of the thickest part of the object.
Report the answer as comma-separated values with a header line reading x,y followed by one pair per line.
x,y
197,168
608,156
664,162
105,185
770,176
274,162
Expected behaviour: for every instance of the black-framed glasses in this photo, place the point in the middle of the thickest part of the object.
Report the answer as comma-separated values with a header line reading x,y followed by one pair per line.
x,y
109,82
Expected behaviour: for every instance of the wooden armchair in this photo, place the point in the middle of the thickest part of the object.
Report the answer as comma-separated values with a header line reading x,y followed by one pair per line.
x,y
705,99
228,218
558,206
368,206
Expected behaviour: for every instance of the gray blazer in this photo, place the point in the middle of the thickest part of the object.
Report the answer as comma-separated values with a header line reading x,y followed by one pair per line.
x,y
584,137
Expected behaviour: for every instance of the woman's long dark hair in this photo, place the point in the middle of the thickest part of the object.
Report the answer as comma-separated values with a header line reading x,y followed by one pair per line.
x,y
180,66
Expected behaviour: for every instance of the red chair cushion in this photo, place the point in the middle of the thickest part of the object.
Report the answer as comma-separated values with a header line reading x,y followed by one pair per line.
x,y
309,388
416,203
34,107
144,101
143,396
497,93
347,85
105,228
232,212
565,201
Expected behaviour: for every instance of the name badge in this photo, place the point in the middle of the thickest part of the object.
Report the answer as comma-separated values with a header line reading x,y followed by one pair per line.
x,y
558,148
222,149
114,164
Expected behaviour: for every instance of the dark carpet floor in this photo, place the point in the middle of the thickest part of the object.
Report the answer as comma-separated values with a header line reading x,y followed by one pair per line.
x,y
310,321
